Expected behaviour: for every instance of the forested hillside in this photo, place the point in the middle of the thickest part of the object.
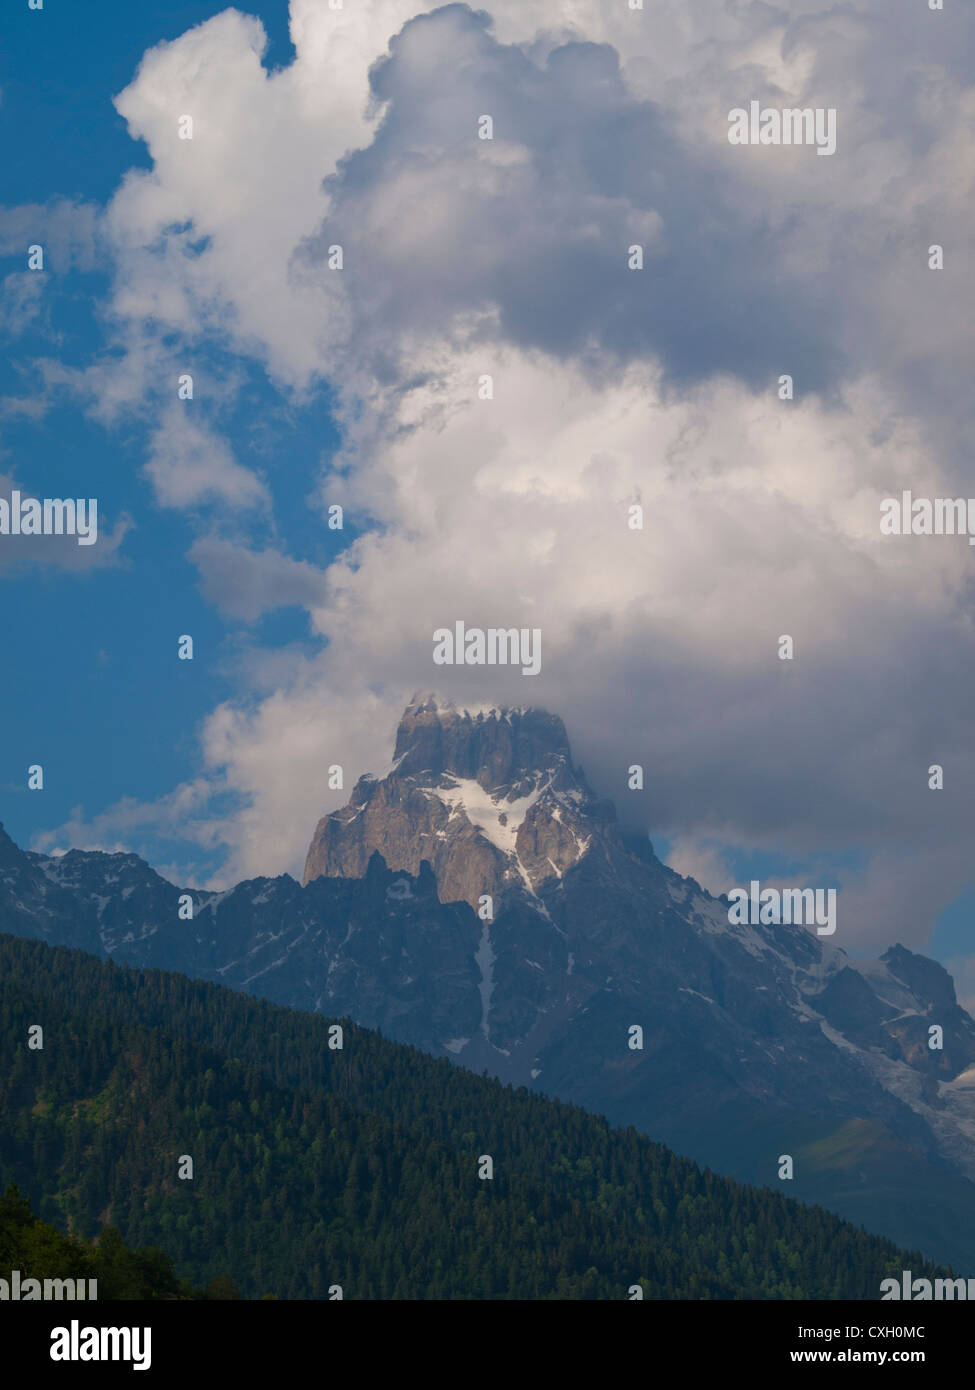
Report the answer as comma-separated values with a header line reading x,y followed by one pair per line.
x,y
359,1168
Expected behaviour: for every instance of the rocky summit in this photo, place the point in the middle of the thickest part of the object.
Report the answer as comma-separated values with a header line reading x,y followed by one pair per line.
x,y
479,901
489,799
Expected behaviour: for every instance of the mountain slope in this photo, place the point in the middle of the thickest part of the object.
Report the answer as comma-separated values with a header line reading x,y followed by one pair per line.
x,y
316,1167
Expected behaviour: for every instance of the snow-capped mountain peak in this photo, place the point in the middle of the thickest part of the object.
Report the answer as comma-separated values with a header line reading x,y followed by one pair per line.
x,y
489,797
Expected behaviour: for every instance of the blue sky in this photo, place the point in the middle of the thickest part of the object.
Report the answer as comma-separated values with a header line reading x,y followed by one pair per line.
x,y
58,76
100,700
508,258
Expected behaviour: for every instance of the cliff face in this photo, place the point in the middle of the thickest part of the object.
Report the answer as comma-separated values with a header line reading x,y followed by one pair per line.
x,y
491,800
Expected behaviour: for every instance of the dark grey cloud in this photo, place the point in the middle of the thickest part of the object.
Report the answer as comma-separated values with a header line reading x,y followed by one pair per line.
x,y
535,225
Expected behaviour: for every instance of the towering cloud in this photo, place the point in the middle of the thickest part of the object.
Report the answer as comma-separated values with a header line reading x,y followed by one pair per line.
x,y
509,385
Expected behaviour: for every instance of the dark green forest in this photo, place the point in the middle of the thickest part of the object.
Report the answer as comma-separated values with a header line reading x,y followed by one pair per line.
x,y
358,1168
41,1251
